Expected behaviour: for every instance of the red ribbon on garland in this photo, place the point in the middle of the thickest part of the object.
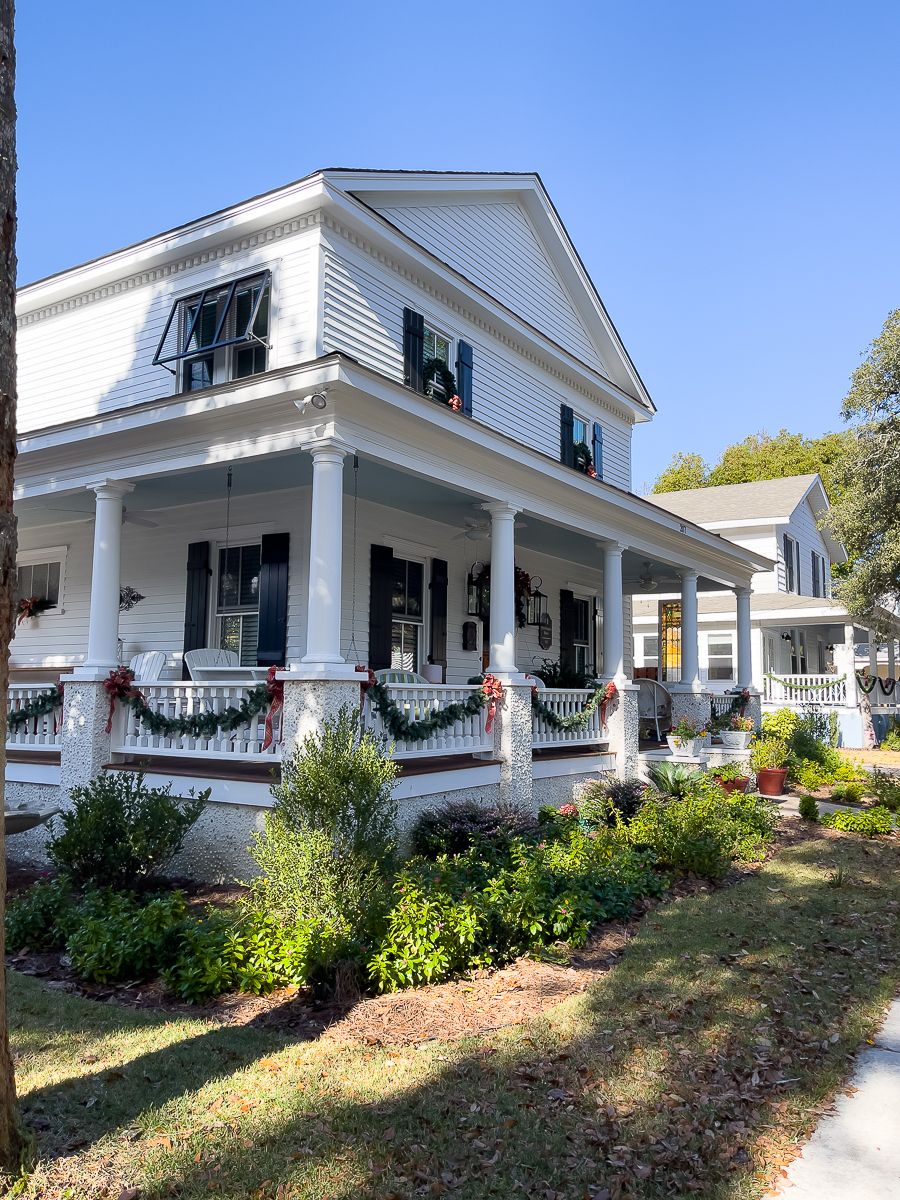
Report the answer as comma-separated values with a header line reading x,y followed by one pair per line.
x,y
369,681
275,688
493,689
120,684
610,694
58,712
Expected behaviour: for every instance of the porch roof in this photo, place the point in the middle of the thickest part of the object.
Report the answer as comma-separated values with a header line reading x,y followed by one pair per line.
x,y
776,608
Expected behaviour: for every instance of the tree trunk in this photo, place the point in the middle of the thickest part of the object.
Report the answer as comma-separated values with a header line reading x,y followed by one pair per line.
x,y
12,1136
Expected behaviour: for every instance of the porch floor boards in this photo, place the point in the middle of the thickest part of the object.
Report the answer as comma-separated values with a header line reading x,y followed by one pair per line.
x,y
49,758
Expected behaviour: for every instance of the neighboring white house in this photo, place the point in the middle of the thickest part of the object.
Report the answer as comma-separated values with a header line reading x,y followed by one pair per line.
x,y
296,431
801,636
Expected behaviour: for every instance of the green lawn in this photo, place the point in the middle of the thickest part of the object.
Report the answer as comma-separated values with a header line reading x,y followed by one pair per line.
x,y
659,1080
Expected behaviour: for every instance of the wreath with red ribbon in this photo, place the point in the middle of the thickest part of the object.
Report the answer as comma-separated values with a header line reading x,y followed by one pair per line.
x,y
33,606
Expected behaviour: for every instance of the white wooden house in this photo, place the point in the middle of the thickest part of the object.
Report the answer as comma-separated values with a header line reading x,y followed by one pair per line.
x,y
305,344
805,645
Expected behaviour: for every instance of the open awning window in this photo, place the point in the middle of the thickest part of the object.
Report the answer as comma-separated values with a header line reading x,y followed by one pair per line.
x,y
225,315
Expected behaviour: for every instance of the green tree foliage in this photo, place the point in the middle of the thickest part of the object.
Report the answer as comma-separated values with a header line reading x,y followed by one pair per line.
x,y
866,517
761,456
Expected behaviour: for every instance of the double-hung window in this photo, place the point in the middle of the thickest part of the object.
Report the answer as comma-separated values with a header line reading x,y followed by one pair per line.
x,y
720,656
791,553
406,615
218,334
819,577
39,576
237,601
582,625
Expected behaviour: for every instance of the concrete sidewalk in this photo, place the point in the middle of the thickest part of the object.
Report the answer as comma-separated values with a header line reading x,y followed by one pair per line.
x,y
854,1153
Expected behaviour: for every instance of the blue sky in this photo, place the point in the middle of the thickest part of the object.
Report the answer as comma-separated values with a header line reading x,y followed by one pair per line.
x,y
728,171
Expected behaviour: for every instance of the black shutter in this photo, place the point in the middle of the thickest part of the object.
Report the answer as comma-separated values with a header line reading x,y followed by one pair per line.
x,y
273,596
381,595
566,436
413,349
464,366
439,580
196,601
566,628
598,449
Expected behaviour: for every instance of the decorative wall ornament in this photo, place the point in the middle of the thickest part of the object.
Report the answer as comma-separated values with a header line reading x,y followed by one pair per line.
x,y
128,598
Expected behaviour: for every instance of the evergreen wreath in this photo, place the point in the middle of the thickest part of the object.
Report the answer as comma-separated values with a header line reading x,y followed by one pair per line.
x,y
579,720
583,460
436,368
42,704
869,687
811,687
401,729
32,606
523,592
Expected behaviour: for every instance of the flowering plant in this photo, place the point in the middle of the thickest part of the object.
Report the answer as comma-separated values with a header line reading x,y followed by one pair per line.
x,y
741,724
568,810
685,729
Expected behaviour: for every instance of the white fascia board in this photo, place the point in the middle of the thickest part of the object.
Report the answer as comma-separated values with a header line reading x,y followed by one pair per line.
x,y
244,218
371,225
746,523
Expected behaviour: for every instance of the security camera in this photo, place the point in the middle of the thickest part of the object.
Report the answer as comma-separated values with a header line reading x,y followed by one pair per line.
x,y
316,399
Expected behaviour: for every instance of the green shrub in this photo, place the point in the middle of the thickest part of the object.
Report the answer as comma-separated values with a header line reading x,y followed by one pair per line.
x,y
869,821
119,830
341,784
780,724
768,753
809,810
891,740
461,825
558,674
674,778
42,918
704,831
609,801
885,788
729,771
118,936
809,775
851,793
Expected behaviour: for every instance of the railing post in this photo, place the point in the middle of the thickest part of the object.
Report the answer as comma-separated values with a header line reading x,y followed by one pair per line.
x,y
513,744
84,744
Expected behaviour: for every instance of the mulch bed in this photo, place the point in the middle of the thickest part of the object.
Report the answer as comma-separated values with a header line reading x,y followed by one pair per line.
x,y
487,1001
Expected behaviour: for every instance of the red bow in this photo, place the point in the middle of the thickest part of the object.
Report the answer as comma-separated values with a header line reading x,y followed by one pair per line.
x,y
275,688
58,712
26,608
368,682
610,694
120,683
493,689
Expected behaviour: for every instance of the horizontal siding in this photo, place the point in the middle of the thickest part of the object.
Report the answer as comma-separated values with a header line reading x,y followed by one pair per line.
x,y
363,317
98,357
154,563
495,246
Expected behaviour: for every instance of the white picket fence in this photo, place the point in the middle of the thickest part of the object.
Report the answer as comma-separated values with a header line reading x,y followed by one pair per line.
x,y
38,733
565,702
829,690
130,735
416,702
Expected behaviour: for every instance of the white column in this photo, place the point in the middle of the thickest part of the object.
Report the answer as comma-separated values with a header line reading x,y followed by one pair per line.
x,y
613,618
103,623
690,648
744,640
503,588
323,620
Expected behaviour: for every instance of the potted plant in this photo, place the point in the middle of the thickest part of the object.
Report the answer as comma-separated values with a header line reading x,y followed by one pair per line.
x,y
737,735
684,738
769,759
731,778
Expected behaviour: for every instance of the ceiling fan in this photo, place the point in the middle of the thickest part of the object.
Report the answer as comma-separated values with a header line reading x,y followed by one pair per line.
x,y
479,530
645,582
140,517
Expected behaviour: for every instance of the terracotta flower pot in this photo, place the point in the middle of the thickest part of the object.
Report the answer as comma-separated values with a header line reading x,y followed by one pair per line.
x,y
770,781
733,785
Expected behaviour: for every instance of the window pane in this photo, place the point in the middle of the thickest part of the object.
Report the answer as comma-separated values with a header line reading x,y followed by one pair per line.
x,y
725,672
53,583
230,638
244,301
205,328
249,360
720,648
249,640
414,589
651,647
250,559
25,576
579,431
39,582
404,647
398,599
581,621
229,574
435,346
198,374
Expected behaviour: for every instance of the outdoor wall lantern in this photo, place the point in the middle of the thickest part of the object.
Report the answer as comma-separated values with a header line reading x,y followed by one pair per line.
x,y
479,591
536,609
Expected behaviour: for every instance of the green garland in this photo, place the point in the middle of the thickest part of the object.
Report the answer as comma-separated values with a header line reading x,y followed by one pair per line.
x,y
861,680
401,729
806,687
40,706
577,720
207,725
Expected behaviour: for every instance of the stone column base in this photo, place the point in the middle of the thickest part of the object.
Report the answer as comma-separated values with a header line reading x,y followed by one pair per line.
x,y
83,740
622,727
309,703
696,706
512,744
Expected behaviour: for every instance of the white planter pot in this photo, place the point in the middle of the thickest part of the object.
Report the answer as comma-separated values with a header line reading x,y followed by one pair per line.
x,y
685,747
736,739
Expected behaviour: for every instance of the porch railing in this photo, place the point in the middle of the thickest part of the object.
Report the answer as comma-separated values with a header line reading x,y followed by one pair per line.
x,y
38,733
130,736
416,702
806,689
565,702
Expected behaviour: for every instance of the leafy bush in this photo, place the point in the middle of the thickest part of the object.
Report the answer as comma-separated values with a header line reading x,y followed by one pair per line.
x,y
729,771
809,775
869,821
461,825
809,810
852,793
705,830
891,740
119,830
609,801
885,788
768,753
119,936
780,724
341,784
42,918
673,778
450,916
562,675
